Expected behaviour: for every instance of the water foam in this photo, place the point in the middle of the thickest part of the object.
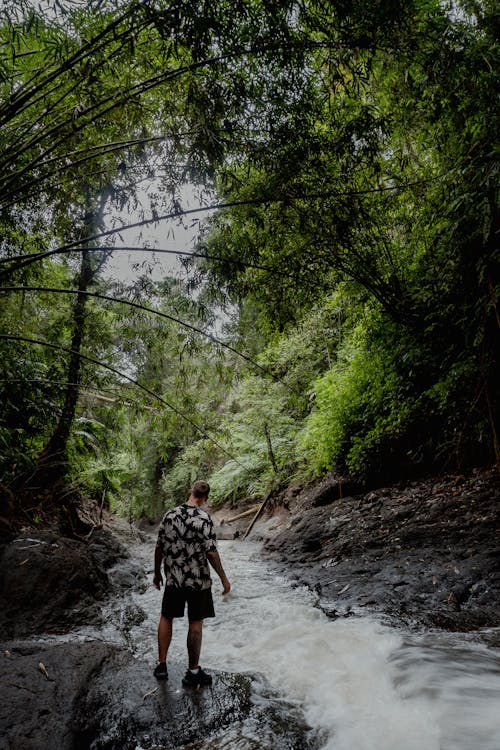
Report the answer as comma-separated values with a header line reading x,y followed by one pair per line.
x,y
359,684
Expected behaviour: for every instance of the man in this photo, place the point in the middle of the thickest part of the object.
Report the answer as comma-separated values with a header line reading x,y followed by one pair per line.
x,y
187,545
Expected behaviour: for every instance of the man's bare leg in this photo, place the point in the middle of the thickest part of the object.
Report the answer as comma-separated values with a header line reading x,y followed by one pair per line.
x,y
164,637
195,676
194,642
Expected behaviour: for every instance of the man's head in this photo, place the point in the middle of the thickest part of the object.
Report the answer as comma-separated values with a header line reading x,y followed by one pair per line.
x,y
200,490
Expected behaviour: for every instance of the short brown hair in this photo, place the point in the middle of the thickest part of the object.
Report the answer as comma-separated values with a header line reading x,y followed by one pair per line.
x,y
200,488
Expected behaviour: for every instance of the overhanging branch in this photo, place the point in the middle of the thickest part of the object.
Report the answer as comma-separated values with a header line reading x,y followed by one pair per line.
x,y
130,248
70,246
57,347
138,306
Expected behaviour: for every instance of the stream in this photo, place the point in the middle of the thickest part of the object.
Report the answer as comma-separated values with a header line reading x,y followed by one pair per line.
x,y
358,684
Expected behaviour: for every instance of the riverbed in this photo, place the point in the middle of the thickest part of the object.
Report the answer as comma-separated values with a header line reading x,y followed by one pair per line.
x,y
359,684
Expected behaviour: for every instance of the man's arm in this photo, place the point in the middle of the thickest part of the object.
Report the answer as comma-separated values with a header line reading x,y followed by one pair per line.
x,y
215,562
158,579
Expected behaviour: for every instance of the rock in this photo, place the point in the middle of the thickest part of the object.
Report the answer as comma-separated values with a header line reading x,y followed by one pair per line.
x,y
130,616
417,549
107,700
311,545
330,489
50,583
458,595
31,706
125,707
97,695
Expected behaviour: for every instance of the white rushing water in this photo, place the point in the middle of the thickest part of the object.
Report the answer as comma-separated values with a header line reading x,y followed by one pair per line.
x,y
360,685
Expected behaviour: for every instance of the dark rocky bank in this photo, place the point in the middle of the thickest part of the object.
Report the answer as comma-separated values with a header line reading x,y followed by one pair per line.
x,y
422,554
50,583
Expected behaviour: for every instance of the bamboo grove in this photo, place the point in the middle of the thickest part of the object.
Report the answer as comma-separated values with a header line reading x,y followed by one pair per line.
x,y
338,311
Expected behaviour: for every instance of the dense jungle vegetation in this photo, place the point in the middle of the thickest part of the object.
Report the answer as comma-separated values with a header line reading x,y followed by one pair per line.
x,y
340,309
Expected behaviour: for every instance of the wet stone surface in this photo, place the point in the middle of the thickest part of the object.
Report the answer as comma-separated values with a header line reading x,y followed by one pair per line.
x,y
63,690
95,696
50,583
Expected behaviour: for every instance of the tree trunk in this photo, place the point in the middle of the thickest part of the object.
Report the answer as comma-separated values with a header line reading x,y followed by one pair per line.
x,y
53,459
491,391
270,451
54,455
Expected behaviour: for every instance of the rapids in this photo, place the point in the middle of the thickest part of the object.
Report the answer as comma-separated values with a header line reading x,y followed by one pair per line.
x,y
360,684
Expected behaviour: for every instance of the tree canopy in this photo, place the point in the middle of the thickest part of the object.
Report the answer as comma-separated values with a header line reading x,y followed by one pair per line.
x,y
340,309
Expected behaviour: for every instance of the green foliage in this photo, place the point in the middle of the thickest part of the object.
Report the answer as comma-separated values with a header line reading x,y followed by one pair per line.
x,y
195,461
237,480
256,430
260,432
357,407
310,347
24,421
384,174
389,408
356,258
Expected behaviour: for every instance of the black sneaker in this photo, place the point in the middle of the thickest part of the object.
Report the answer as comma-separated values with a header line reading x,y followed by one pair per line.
x,y
197,680
160,671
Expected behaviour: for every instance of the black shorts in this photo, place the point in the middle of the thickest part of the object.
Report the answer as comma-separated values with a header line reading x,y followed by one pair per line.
x,y
199,601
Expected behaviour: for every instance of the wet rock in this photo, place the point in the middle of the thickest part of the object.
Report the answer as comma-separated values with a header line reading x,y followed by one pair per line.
x,y
92,695
37,707
458,595
131,616
127,576
106,548
107,700
51,583
125,707
311,545
328,490
96,696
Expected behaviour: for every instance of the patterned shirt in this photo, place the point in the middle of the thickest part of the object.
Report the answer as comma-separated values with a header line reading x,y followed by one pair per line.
x,y
185,536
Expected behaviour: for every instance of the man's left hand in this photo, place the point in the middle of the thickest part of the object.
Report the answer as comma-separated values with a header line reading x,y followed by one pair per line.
x,y
158,581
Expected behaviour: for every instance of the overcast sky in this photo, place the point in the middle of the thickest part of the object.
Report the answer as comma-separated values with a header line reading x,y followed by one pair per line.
x,y
127,265
166,235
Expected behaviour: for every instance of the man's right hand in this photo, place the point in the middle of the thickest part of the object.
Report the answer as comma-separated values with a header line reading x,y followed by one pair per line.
x,y
158,580
214,560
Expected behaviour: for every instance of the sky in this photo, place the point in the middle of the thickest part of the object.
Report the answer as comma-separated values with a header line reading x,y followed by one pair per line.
x,y
125,266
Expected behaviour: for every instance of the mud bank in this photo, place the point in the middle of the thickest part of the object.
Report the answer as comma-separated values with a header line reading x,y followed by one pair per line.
x,y
421,554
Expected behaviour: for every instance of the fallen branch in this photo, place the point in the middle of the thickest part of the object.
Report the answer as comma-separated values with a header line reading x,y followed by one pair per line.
x,y
240,515
257,515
